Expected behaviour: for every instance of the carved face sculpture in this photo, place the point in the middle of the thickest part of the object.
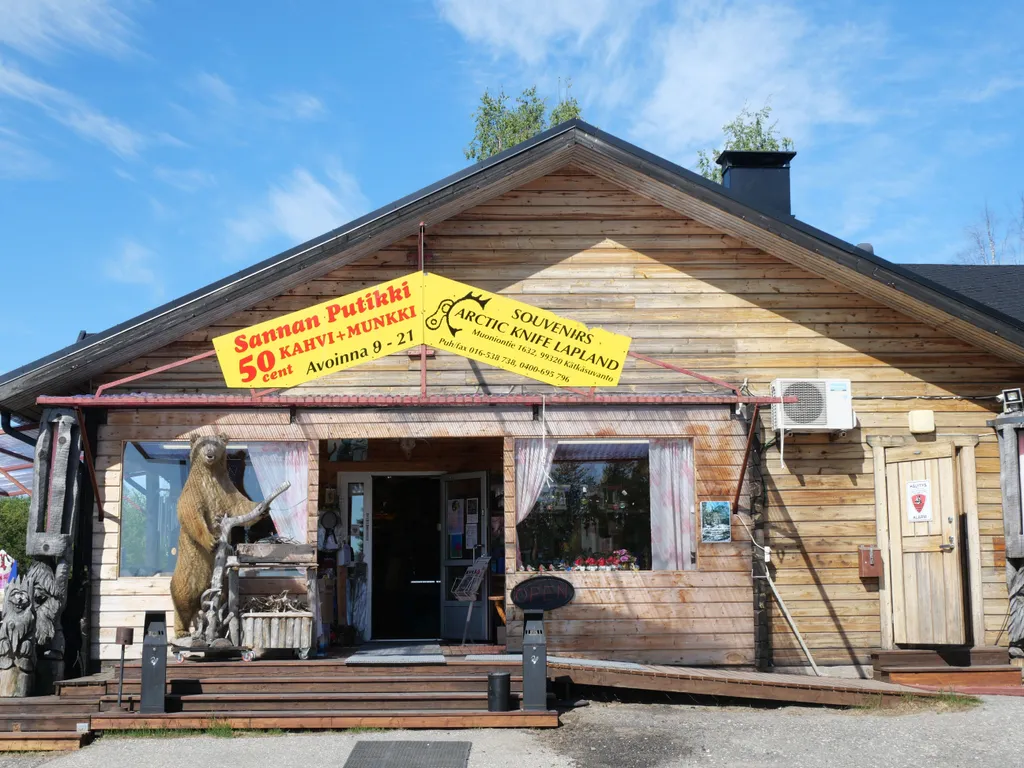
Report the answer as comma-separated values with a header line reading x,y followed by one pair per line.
x,y
17,633
46,600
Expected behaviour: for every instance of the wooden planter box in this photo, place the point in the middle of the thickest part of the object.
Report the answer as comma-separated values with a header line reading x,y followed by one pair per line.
x,y
290,631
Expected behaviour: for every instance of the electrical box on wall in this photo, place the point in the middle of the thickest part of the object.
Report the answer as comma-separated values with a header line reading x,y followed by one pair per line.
x,y
922,422
870,562
822,405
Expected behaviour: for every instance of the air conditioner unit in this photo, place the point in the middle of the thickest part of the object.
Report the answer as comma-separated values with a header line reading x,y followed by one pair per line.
x,y
822,405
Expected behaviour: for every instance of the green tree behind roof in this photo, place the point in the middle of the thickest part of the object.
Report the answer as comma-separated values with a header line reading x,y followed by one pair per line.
x,y
750,131
14,529
499,125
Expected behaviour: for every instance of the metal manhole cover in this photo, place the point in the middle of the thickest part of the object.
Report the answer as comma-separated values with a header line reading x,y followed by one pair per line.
x,y
409,754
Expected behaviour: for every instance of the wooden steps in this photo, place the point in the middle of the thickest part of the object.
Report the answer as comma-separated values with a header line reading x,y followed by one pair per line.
x,y
945,668
328,720
939,676
951,657
320,685
255,702
41,741
45,714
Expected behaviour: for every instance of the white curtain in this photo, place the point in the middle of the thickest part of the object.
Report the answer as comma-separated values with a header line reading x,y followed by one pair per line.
x,y
533,465
274,464
672,510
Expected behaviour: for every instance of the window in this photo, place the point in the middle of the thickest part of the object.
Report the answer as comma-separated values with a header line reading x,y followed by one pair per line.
x,y
605,505
155,474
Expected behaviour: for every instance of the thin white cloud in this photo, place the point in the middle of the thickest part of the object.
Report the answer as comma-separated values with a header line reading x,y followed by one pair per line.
x,y
300,207
995,87
40,28
716,58
299,105
526,28
185,179
70,111
18,161
214,87
134,265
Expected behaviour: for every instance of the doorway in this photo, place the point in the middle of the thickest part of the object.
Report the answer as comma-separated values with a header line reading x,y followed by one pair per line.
x,y
406,561
928,532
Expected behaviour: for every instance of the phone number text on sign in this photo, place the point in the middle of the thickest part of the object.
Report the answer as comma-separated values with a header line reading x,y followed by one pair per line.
x,y
325,338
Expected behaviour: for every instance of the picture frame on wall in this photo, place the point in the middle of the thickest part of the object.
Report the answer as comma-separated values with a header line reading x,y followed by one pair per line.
x,y
348,450
716,522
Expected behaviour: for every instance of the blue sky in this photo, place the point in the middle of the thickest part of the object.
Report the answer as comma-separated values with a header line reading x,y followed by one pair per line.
x,y
149,148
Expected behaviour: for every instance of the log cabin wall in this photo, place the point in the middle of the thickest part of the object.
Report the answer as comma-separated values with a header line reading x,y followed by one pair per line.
x,y
580,245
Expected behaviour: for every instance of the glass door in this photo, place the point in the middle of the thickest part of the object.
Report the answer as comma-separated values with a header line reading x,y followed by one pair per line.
x,y
355,497
464,507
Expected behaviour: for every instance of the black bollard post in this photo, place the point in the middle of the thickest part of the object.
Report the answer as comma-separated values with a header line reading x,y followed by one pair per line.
x,y
499,687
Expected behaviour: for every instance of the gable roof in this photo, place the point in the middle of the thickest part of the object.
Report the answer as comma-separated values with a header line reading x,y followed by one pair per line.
x,y
999,287
576,142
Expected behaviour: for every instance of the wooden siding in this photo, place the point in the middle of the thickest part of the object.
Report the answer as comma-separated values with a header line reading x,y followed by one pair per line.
x,y
581,245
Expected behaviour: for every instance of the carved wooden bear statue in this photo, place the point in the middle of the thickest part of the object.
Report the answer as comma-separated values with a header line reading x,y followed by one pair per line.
x,y
208,497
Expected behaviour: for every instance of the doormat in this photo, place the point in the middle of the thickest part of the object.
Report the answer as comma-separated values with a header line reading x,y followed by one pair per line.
x,y
409,754
415,653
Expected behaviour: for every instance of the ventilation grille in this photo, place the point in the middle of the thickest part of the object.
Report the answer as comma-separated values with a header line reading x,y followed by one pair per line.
x,y
810,406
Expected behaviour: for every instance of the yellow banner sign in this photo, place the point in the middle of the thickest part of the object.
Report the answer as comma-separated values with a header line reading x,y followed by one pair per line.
x,y
519,337
393,316
326,338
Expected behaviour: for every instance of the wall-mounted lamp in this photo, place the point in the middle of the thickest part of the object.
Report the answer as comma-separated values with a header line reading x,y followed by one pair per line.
x,y
125,636
1012,400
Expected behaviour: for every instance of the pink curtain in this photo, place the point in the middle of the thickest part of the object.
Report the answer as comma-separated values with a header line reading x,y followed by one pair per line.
x,y
533,465
672,510
275,463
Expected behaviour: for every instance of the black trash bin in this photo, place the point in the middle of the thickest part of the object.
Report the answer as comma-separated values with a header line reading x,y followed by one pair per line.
x,y
499,688
154,663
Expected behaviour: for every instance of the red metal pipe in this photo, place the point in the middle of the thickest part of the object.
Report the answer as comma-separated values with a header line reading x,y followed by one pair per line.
x,y
18,467
24,491
746,458
687,371
423,347
151,371
390,401
87,449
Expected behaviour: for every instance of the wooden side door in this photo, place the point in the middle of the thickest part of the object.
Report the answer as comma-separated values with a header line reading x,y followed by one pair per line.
x,y
923,500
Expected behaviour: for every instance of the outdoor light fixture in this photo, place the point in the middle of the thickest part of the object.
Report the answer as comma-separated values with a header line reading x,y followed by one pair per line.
x,y
1012,400
125,636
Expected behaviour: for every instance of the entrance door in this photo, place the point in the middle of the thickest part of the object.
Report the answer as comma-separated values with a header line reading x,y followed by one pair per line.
x,y
465,538
406,563
925,545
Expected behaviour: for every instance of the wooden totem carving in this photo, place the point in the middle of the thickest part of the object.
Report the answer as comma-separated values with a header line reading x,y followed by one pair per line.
x,y
31,639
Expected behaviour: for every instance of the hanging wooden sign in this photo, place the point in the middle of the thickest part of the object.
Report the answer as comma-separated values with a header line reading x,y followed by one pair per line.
x,y
421,309
519,337
543,593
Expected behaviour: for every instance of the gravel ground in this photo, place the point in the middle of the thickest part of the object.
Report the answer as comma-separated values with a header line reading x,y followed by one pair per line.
x,y
627,735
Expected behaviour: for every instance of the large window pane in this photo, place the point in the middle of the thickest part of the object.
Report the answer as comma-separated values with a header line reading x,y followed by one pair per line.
x,y
594,512
153,478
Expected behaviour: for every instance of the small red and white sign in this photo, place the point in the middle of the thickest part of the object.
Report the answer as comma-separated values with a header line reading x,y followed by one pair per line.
x,y
919,501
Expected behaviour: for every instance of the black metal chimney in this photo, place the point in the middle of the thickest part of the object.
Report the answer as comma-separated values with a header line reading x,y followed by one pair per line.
x,y
759,179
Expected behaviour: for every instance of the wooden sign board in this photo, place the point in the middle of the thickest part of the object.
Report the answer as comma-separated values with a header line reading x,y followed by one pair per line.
x,y
543,593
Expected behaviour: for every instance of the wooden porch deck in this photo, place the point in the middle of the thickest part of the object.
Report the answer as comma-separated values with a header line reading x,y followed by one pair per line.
x,y
341,692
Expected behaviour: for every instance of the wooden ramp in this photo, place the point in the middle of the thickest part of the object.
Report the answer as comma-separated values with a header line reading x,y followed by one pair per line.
x,y
763,686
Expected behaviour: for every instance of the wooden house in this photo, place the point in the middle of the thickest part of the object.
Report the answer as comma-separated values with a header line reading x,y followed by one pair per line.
x,y
722,292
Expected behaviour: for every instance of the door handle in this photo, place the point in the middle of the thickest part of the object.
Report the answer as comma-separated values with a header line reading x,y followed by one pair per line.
x,y
947,547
